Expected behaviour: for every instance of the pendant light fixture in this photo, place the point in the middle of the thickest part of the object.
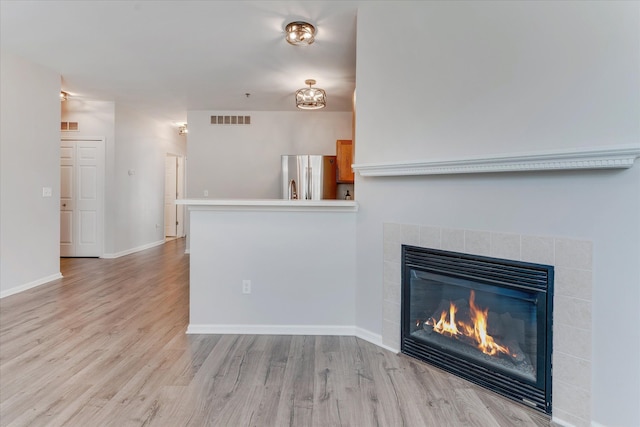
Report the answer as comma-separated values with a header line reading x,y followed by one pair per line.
x,y
310,98
300,33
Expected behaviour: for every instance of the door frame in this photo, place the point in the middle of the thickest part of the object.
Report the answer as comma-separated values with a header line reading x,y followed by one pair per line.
x,y
180,189
181,186
102,182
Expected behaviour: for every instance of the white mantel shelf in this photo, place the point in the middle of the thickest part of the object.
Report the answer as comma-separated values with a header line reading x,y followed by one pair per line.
x,y
273,205
620,157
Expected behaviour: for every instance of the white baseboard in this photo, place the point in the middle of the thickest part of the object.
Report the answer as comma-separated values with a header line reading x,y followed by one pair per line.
x,y
21,288
133,250
291,330
558,422
368,336
561,423
375,339
272,329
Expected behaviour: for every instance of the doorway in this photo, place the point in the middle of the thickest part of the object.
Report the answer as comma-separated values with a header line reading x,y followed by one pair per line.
x,y
173,190
81,197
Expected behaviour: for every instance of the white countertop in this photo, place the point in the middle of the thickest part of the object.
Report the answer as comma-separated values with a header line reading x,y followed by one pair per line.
x,y
271,205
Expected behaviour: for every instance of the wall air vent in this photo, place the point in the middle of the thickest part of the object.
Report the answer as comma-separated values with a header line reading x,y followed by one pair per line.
x,y
230,120
69,126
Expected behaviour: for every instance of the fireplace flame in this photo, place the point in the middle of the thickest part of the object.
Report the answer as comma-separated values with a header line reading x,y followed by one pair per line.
x,y
443,326
476,330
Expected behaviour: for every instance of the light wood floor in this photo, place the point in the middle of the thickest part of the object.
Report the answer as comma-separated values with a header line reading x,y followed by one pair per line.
x,y
106,346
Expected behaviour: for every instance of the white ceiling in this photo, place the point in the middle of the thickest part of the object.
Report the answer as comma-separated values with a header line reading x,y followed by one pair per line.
x,y
168,57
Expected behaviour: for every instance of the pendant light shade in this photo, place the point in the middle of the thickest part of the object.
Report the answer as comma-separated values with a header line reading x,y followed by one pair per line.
x,y
300,33
310,98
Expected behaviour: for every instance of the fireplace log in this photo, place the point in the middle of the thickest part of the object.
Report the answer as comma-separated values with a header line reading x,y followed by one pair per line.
x,y
442,307
517,355
463,314
514,337
514,328
495,325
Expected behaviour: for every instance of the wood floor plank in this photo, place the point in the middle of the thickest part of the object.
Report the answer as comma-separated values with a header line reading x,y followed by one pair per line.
x,y
328,393
45,406
296,395
471,411
269,390
106,346
244,384
360,385
400,389
194,350
506,413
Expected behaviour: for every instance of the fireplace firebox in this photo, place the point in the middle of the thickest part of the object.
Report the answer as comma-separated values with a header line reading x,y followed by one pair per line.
x,y
487,320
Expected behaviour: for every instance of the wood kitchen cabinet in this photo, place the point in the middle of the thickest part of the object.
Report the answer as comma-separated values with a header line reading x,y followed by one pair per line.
x,y
344,154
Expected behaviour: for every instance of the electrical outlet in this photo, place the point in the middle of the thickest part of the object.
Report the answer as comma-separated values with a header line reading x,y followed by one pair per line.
x,y
206,193
246,286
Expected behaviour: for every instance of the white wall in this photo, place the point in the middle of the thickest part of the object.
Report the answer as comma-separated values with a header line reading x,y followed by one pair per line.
x,y
483,77
29,160
243,161
302,275
507,77
141,145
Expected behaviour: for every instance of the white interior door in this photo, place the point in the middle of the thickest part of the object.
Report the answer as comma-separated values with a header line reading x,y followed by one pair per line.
x,y
81,197
170,193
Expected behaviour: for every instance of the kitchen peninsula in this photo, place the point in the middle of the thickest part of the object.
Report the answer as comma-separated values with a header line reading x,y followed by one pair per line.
x,y
272,266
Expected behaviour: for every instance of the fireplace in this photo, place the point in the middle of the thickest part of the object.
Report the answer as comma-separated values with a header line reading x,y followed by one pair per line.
x,y
487,320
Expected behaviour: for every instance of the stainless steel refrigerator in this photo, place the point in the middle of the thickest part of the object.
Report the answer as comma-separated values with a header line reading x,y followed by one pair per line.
x,y
309,177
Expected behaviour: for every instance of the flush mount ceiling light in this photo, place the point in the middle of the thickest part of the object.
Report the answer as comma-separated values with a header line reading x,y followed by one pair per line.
x,y
309,98
63,95
300,33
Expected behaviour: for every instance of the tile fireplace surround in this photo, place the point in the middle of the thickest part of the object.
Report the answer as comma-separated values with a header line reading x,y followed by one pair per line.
x,y
572,260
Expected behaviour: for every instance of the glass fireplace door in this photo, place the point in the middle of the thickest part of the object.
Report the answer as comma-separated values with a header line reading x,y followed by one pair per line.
x,y
492,326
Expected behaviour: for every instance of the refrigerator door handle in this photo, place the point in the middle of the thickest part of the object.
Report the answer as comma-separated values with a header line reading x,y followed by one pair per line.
x,y
309,177
293,191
